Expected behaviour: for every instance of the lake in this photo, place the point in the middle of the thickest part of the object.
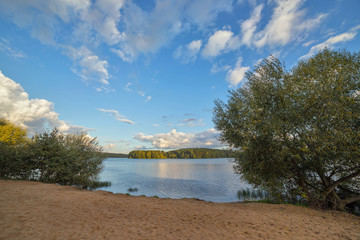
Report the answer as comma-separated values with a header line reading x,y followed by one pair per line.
x,y
207,179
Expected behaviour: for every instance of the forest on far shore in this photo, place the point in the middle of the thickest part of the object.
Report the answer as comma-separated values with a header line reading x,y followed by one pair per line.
x,y
188,153
115,155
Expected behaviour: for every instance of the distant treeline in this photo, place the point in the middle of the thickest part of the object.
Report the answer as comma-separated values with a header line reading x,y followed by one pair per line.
x,y
115,155
182,154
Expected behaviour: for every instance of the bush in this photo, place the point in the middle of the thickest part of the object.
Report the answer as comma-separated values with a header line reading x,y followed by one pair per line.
x,y
67,159
72,159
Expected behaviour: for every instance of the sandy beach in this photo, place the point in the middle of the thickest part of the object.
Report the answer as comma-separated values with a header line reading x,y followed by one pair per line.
x,y
32,210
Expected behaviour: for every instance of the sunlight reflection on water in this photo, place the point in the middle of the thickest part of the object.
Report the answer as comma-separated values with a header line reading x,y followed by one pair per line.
x,y
207,179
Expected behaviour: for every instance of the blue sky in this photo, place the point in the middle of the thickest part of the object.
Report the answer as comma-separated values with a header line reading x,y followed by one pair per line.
x,y
145,74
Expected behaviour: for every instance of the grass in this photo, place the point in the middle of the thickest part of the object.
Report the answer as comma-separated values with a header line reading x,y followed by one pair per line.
x,y
271,201
130,189
97,184
260,196
253,194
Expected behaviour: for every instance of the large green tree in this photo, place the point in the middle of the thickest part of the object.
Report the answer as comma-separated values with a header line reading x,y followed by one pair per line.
x,y
297,133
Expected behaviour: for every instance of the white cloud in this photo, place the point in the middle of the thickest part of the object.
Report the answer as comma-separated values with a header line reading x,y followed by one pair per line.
x,y
330,43
7,49
215,68
309,24
236,75
189,52
66,23
111,17
286,23
140,147
176,140
88,66
127,28
251,2
42,18
115,114
147,31
127,87
192,122
99,21
308,43
116,146
204,12
34,114
194,46
248,27
48,20
281,26
125,54
141,93
130,87
220,41
109,147
91,64
148,98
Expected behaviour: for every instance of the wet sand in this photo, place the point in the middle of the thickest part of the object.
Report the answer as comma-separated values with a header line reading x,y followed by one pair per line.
x,y
32,210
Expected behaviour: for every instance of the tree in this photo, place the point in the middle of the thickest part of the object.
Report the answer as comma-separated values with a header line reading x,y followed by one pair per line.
x,y
181,153
11,134
297,133
13,161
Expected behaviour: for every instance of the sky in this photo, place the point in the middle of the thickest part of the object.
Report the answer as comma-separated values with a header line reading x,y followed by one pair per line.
x,y
144,74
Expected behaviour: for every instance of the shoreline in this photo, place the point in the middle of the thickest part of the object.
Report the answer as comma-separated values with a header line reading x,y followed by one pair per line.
x,y
33,210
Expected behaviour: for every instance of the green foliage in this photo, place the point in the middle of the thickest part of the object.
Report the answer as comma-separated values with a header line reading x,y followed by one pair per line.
x,y
130,189
98,184
14,161
13,145
71,159
253,194
115,155
296,133
189,153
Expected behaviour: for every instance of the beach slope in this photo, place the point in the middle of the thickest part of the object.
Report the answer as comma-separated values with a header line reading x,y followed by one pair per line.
x,y
32,210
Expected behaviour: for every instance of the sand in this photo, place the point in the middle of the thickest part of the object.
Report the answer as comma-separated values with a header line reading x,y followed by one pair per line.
x,y
32,210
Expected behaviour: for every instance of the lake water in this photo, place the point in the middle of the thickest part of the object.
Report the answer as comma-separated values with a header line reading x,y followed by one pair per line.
x,y
207,179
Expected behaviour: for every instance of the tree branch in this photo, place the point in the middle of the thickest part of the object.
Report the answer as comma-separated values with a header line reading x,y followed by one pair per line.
x,y
355,174
330,188
352,199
